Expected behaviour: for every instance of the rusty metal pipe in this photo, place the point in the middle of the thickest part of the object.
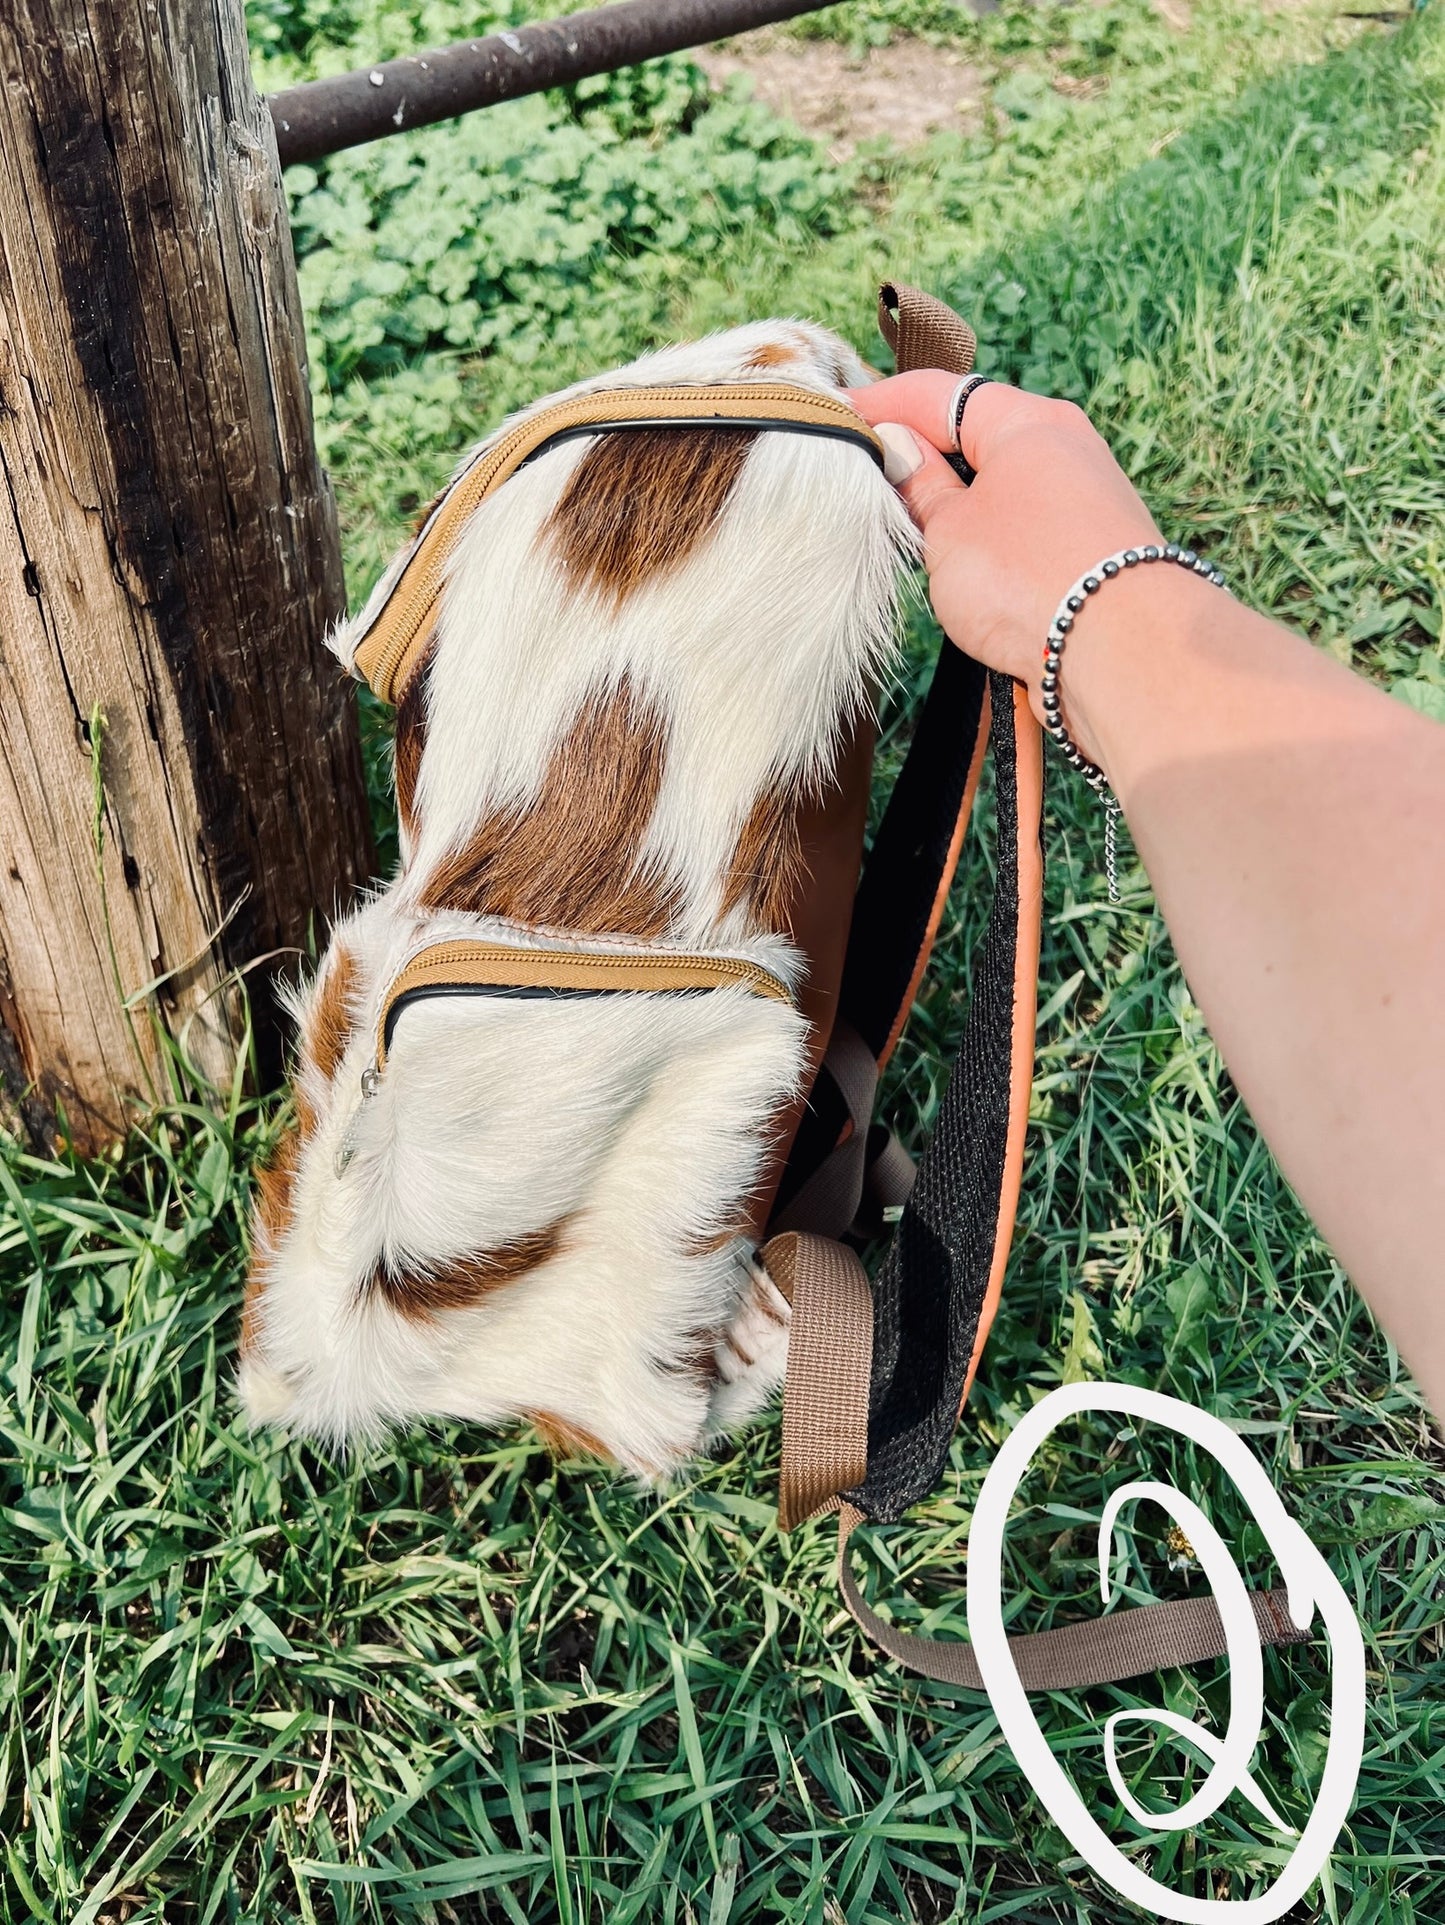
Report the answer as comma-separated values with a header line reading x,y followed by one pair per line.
x,y
323,116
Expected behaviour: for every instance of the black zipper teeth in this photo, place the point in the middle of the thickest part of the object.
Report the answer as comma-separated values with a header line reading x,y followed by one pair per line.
x,y
525,992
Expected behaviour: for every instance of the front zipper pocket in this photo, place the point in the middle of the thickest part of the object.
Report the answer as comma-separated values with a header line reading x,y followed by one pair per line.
x,y
497,969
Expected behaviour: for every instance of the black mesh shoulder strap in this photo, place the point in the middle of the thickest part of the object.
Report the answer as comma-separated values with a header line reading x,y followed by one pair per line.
x,y
941,1277
942,1274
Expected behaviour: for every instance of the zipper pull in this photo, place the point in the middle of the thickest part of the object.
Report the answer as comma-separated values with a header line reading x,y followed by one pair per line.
x,y
370,1086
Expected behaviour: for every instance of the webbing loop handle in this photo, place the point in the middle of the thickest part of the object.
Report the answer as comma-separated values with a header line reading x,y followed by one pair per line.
x,y
923,331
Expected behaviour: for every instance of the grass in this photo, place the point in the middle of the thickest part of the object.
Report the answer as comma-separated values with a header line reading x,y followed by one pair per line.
x,y
454,1681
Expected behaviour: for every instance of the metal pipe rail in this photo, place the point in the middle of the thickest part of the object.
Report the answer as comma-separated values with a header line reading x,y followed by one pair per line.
x,y
323,116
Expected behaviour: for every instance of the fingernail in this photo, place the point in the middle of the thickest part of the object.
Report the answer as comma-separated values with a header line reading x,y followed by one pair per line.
x,y
901,456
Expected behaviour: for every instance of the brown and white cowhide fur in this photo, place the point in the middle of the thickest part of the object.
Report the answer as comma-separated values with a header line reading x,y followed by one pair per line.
x,y
645,656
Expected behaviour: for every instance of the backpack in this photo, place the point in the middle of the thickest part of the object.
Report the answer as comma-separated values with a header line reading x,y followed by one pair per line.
x,y
584,1098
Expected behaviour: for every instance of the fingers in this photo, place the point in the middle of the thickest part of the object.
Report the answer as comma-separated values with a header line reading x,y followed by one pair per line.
x,y
923,400
931,491
920,401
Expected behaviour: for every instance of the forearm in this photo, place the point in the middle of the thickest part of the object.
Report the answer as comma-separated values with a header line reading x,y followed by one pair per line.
x,y
1292,821
1291,817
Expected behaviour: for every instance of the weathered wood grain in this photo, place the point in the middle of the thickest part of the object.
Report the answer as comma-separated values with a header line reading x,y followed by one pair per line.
x,y
168,562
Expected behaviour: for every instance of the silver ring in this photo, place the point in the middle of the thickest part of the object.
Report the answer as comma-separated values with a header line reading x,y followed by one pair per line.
x,y
957,404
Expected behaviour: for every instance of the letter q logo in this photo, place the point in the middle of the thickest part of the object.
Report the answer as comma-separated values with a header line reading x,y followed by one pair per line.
x,y
1310,1586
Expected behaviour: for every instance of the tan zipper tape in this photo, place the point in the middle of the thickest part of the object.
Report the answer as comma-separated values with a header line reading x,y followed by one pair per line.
x,y
386,653
482,965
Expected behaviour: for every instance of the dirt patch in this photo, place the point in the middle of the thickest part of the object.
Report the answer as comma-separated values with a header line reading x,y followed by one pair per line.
x,y
903,92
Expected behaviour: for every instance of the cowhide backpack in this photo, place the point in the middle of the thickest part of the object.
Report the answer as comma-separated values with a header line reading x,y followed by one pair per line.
x,y
584,1099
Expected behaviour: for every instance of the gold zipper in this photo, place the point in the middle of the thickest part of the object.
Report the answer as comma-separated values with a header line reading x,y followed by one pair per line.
x,y
495,465
462,950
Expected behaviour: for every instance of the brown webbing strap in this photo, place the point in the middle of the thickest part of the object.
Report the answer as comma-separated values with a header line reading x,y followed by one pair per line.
x,y
825,1445
922,331
891,1172
828,1202
830,1353
1105,1650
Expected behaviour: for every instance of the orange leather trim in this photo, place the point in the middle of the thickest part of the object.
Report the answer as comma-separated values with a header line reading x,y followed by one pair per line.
x,y
397,634
1028,749
495,965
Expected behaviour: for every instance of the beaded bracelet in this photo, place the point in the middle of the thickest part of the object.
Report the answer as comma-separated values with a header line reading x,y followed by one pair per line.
x,y
1063,622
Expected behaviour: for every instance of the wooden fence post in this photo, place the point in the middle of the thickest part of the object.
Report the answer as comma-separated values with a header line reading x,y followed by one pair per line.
x,y
168,563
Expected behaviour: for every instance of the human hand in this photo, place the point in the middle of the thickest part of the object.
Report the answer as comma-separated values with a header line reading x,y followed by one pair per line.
x,y
1049,501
